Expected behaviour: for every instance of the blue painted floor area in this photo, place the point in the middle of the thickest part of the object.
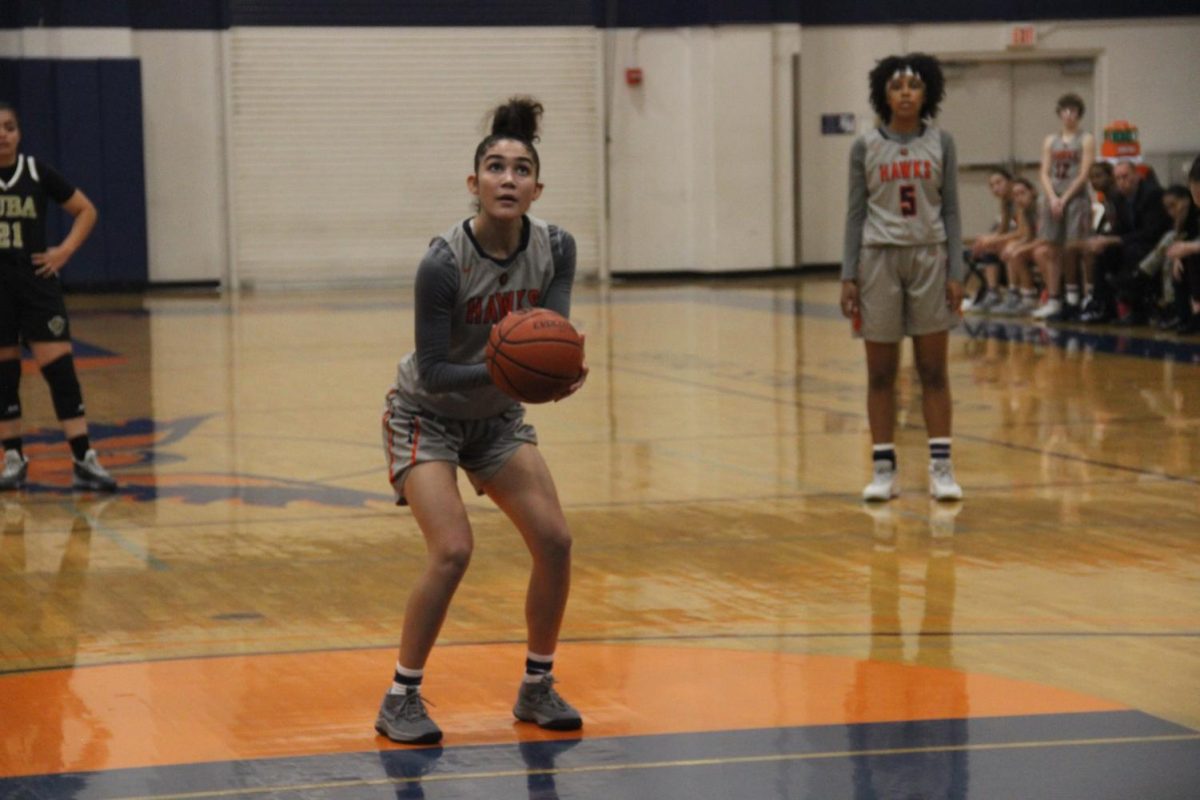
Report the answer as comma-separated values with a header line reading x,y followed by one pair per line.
x,y
1093,756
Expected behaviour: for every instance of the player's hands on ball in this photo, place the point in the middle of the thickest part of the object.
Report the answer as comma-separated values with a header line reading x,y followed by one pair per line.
x,y
583,373
51,262
535,356
849,300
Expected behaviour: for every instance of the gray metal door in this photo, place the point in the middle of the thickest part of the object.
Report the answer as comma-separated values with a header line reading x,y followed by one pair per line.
x,y
999,113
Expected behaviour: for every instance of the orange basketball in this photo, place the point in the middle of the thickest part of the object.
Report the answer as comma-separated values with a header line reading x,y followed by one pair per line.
x,y
534,355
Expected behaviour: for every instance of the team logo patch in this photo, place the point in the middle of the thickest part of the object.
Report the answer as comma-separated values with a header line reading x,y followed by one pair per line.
x,y
57,325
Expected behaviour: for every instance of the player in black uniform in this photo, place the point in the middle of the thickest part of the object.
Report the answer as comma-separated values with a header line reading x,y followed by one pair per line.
x,y
32,308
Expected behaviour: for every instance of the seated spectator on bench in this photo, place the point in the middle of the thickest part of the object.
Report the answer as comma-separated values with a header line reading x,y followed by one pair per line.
x,y
1147,221
1186,253
1165,273
985,250
1018,252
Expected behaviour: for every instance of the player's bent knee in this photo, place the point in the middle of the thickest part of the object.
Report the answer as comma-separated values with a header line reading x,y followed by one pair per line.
x,y
555,544
452,561
64,387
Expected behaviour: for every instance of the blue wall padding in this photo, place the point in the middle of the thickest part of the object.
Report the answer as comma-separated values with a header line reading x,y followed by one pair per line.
x,y
124,176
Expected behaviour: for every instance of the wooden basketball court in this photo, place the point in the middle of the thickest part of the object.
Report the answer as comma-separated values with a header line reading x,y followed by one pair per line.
x,y
740,624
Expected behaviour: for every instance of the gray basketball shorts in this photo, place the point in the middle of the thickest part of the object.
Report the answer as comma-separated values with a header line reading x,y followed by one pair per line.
x,y
1075,224
902,292
412,435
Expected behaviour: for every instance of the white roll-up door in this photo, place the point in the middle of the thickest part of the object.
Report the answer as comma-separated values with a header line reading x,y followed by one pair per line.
x,y
351,146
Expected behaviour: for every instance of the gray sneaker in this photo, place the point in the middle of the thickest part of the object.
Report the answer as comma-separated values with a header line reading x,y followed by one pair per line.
x,y
540,703
990,303
89,475
1011,307
403,718
15,468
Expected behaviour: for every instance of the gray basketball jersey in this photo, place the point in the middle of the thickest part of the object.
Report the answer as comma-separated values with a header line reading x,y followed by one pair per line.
x,y
487,290
1065,160
904,189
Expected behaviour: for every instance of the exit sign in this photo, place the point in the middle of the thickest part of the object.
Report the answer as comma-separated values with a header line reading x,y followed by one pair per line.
x,y
1021,36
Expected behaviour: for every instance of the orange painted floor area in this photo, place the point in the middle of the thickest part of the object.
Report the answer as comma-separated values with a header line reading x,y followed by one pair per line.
x,y
227,708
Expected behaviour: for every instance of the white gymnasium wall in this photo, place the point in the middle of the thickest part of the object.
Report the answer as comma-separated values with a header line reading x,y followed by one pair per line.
x,y
184,130
701,154
1145,72
182,119
700,161
352,146
68,43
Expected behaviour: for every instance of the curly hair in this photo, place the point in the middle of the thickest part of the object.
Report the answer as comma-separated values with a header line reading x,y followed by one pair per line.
x,y
926,66
1070,100
517,120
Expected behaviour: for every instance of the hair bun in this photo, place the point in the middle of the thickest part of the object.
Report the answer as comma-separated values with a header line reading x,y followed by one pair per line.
x,y
518,119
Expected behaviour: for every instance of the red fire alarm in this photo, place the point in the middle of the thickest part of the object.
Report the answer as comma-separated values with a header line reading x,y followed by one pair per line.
x,y
633,76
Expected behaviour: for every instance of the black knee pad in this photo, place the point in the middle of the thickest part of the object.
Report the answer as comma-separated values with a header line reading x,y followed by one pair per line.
x,y
10,385
64,387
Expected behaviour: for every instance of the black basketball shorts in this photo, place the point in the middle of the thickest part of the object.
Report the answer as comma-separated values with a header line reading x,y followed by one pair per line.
x,y
31,308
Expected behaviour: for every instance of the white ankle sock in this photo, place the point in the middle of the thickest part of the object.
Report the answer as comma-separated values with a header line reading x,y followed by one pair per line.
x,y
411,674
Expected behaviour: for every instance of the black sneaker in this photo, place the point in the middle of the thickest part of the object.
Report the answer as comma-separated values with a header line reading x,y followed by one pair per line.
x,y
1189,326
1067,313
90,476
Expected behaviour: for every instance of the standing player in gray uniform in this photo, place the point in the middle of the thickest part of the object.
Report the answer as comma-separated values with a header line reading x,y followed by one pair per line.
x,y
444,412
1067,214
902,269
32,309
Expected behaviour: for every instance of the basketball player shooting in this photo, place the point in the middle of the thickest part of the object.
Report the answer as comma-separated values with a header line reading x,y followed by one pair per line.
x,y
444,411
